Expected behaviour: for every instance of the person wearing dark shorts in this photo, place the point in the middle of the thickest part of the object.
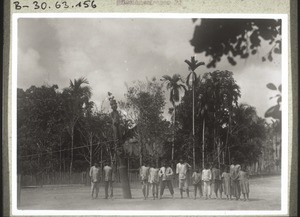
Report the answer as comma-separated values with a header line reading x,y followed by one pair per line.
x,y
217,180
166,174
196,179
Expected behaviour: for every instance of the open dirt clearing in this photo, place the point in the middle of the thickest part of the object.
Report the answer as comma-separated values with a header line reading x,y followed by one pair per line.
x,y
264,195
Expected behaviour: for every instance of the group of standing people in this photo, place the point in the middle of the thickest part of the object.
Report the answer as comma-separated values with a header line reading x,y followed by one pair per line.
x,y
239,178
157,179
232,181
108,177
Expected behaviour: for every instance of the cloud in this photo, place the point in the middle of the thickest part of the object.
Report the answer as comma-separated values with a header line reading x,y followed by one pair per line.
x,y
29,67
253,81
113,52
110,52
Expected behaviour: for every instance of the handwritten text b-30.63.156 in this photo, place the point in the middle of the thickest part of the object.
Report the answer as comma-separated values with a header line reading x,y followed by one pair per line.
x,y
43,5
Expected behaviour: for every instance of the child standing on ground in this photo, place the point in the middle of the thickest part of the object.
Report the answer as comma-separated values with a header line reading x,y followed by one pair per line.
x,y
243,178
196,179
182,169
154,180
95,180
226,182
216,180
206,178
108,179
144,175
166,174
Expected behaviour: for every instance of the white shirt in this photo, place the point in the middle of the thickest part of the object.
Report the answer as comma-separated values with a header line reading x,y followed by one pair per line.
x,y
182,169
153,175
95,174
206,175
144,173
108,173
165,173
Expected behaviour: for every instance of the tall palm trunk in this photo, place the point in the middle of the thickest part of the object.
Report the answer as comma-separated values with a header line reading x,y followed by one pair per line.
x,y
203,141
228,132
229,161
174,129
214,136
101,158
141,155
91,150
218,147
60,163
194,154
72,153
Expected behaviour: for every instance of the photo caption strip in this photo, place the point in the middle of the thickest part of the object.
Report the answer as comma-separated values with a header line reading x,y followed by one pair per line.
x,y
63,6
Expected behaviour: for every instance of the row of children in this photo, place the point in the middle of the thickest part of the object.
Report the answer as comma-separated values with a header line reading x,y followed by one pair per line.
x,y
233,181
154,178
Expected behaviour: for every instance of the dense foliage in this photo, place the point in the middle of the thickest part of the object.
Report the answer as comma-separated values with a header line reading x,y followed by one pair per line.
x,y
236,38
62,130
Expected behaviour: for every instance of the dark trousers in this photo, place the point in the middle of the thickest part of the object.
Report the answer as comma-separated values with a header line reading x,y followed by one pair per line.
x,y
108,186
235,188
165,183
198,186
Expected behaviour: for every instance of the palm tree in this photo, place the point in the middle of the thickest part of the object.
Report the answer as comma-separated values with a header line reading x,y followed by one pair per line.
x,y
192,66
175,87
76,97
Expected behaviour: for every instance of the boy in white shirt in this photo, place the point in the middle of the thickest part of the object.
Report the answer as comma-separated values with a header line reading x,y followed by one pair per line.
x,y
154,180
206,178
108,180
95,180
144,175
166,174
197,182
181,169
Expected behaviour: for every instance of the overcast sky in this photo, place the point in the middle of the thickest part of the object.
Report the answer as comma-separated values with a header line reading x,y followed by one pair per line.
x,y
110,52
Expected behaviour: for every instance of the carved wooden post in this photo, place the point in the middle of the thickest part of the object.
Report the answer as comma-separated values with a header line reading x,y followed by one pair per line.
x,y
115,116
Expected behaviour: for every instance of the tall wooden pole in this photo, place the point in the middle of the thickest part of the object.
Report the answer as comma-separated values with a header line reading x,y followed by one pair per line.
x,y
193,64
203,141
122,164
194,154
174,129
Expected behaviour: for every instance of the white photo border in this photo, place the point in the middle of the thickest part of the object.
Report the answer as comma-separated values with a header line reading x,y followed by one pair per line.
x,y
285,115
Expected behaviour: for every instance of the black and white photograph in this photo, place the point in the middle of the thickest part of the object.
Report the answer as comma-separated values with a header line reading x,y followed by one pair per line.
x,y
169,114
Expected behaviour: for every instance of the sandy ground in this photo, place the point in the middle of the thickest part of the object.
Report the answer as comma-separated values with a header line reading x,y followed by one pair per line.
x,y
264,195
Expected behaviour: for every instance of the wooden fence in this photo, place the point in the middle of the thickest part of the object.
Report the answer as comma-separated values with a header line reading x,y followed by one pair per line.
x,y
83,178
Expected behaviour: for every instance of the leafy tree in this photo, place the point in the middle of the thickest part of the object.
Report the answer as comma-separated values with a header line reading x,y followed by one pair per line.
x,y
93,128
145,102
239,38
39,125
216,94
175,87
235,38
275,111
272,146
224,92
249,134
